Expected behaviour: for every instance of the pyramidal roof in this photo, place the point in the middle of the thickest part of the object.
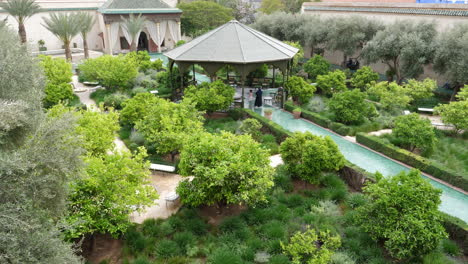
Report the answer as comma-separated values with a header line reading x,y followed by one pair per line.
x,y
233,42
137,7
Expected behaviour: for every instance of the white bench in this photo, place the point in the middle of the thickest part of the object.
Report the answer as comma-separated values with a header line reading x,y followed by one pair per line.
x,y
430,110
163,168
171,197
406,112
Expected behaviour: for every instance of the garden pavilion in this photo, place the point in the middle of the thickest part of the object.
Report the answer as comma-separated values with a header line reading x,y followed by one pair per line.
x,y
236,45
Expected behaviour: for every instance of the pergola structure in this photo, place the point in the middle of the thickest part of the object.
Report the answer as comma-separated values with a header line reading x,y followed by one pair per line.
x,y
236,45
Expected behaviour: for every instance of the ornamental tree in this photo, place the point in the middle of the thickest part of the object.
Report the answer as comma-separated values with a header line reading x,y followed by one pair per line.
x,y
137,108
167,125
210,97
110,71
403,213
307,155
455,113
332,82
463,93
98,130
316,66
226,169
363,77
404,46
58,74
413,131
312,247
114,186
300,90
350,107
418,90
252,127
389,95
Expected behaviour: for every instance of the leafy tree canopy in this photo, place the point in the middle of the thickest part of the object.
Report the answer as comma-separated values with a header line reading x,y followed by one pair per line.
x,y
300,90
271,6
418,90
211,97
137,108
350,107
390,95
201,16
403,213
332,82
143,60
316,66
307,155
463,94
363,77
413,132
404,46
59,75
227,169
114,186
455,113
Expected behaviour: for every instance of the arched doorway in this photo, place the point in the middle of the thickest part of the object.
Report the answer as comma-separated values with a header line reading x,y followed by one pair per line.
x,y
142,42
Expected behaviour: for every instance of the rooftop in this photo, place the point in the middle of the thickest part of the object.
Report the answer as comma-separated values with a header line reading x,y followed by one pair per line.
x,y
137,7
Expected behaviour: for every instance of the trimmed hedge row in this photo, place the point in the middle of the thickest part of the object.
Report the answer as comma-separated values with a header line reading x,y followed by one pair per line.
x,y
457,229
414,160
320,120
278,131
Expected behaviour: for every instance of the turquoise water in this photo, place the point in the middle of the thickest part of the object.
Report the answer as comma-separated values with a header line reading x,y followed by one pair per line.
x,y
453,203
198,76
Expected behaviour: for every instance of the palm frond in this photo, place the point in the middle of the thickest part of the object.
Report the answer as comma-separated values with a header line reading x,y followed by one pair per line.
x,y
86,21
21,9
64,26
134,24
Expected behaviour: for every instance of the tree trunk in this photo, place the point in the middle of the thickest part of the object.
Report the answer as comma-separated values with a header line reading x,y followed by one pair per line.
x,y
85,48
397,71
133,46
22,32
68,54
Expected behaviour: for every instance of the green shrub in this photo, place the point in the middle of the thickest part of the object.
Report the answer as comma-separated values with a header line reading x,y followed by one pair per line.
x,y
332,180
327,208
355,200
167,248
56,93
236,113
350,107
196,225
363,77
151,227
138,89
274,128
449,247
337,194
274,230
414,132
184,240
166,228
224,256
331,83
141,260
210,97
135,241
316,66
279,259
251,127
115,100
283,179
232,224
299,89
436,258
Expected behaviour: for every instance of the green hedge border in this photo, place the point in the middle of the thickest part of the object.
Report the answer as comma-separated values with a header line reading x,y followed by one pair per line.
x,y
352,174
414,160
321,121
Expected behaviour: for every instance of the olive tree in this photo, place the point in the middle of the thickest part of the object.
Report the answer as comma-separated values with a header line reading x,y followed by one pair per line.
x,y
451,55
403,213
226,169
39,157
350,107
200,16
413,131
307,155
404,46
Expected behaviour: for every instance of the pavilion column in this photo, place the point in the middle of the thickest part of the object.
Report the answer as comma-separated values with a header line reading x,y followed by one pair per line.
x,y
159,35
180,32
242,91
109,39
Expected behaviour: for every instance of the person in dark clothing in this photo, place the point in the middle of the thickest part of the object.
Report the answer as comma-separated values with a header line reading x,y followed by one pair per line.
x,y
258,99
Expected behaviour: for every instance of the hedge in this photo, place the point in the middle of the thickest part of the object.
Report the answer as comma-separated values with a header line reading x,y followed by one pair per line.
x,y
416,161
321,121
278,131
457,229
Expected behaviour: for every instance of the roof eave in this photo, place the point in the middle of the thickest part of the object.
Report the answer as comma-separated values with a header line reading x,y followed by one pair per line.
x,y
141,11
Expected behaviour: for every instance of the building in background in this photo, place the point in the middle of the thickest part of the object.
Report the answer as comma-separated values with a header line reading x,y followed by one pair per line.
x,y
161,31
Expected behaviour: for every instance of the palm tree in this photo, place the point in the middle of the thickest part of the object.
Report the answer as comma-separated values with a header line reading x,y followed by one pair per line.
x,y
21,10
86,24
65,27
135,25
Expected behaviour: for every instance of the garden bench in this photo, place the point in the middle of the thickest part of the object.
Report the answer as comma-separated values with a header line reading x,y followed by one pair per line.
x,y
163,168
430,110
406,112
90,83
171,197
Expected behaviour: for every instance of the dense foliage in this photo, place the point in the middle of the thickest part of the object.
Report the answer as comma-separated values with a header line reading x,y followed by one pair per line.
x,y
363,77
251,126
403,214
59,75
143,61
112,72
413,131
316,66
114,185
455,113
350,107
200,16
418,90
389,95
307,155
226,169
136,108
300,90
332,82
211,97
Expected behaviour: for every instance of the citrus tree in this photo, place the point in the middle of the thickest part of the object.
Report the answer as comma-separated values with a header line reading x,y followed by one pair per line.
x,y
363,77
316,66
455,113
350,107
210,97
332,82
413,132
300,90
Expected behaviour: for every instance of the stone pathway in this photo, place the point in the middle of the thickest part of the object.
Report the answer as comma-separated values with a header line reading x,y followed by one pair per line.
x,y
380,132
